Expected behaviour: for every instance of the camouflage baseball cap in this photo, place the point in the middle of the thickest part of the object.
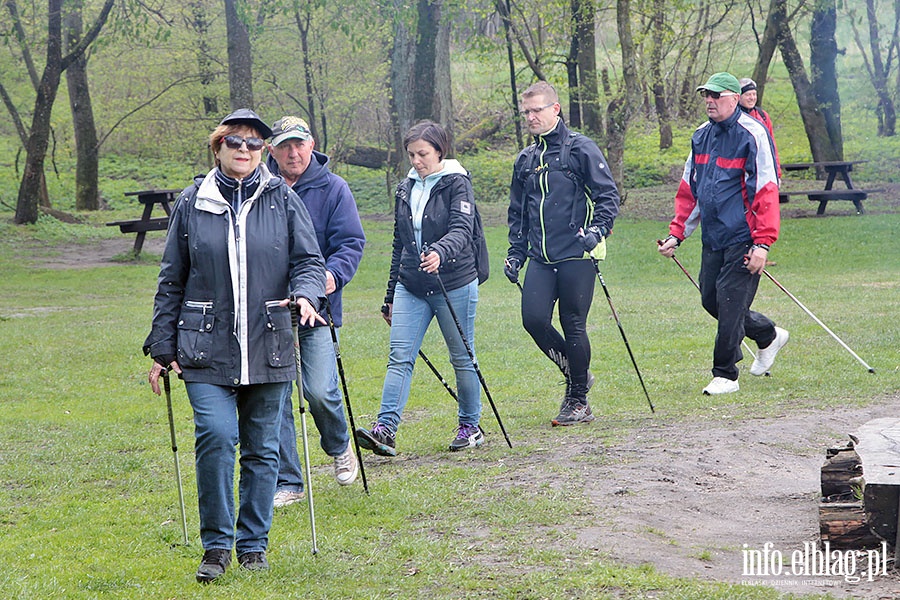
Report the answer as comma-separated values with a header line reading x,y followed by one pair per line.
x,y
721,82
289,127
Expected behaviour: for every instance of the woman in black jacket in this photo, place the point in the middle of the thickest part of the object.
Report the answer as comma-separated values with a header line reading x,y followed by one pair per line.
x,y
434,219
239,241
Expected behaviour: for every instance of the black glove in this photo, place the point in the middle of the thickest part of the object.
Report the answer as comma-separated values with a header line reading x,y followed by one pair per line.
x,y
164,360
592,236
511,269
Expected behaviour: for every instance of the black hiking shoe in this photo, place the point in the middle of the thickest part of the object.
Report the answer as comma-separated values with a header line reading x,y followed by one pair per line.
x,y
379,440
573,410
214,563
254,561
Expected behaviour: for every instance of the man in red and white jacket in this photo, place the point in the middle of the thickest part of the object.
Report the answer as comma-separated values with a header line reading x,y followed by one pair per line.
x,y
730,188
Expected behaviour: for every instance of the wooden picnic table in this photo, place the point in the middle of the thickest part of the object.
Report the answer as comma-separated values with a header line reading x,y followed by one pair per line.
x,y
149,198
835,169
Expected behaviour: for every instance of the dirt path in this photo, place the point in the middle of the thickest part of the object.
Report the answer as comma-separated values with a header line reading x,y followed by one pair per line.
x,y
687,496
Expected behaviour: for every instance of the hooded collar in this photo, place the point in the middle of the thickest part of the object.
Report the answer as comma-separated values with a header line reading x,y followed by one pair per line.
x,y
450,166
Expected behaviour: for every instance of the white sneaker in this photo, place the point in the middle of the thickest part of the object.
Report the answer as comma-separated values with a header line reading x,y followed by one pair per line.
x,y
720,385
346,467
286,497
766,356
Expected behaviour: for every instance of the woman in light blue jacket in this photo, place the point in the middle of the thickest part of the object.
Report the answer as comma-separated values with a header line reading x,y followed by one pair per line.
x,y
434,223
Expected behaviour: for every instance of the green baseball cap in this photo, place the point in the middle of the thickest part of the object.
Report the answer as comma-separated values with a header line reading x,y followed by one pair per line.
x,y
720,82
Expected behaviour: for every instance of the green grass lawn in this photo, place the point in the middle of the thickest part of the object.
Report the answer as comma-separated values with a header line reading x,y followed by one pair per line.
x,y
88,504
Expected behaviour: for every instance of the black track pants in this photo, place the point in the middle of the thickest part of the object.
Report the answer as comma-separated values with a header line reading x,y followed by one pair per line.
x,y
570,282
727,289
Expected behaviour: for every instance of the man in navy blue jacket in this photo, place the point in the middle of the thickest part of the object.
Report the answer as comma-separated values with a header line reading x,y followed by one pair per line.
x,y
339,232
730,188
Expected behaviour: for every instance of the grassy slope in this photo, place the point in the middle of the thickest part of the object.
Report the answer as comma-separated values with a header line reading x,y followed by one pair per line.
x,y
89,508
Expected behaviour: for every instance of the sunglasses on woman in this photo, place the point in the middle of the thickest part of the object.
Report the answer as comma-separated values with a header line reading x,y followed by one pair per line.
x,y
235,141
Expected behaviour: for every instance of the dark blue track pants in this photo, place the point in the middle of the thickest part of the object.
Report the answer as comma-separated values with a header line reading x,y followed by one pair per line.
x,y
727,289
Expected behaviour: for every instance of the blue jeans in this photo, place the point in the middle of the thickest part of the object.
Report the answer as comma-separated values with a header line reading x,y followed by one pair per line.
x,y
410,319
320,388
223,418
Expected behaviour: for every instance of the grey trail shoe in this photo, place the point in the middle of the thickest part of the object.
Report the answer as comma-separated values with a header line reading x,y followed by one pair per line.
x,y
573,410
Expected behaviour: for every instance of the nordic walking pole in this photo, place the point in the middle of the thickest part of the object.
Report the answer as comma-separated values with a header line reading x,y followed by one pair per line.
x,y
462,334
821,324
697,285
340,364
439,376
622,331
309,492
384,311
168,388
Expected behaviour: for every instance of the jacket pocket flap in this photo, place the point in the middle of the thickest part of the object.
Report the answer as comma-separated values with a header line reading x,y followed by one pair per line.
x,y
196,321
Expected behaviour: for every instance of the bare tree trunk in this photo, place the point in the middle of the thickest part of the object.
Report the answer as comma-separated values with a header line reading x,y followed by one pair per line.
x,y
822,59
432,98
87,187
512,75
767,46
27,202
574,89
623,106
403,56
813,120
199,23
659,85
240,59
303,27
22,39
687,96
521,40
38,140
442,96
887,122
583,15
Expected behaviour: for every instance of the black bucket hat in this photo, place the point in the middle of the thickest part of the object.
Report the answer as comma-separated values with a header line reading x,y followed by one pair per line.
x,y
248,117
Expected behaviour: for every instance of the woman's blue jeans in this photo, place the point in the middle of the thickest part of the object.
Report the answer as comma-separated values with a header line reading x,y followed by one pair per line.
x,y
409,321
225,417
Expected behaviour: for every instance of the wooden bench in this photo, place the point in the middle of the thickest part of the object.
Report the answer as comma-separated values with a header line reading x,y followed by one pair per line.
x,y
138,225
149,198
855,195
835,169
